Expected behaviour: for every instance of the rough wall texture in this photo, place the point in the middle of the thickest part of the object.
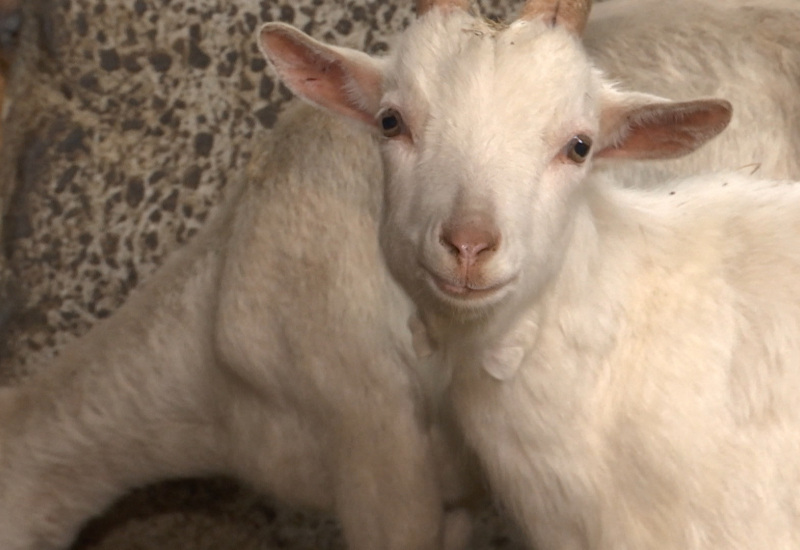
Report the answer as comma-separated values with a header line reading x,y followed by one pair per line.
x,y
125,120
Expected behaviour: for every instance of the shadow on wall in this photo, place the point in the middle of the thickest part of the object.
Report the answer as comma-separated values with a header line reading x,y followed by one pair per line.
x,y
10,21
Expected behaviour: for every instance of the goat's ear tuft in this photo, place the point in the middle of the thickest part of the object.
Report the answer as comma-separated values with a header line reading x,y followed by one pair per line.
x,y
639,126
342,80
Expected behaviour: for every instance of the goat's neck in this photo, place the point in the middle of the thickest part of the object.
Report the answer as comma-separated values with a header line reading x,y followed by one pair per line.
x,y
523,382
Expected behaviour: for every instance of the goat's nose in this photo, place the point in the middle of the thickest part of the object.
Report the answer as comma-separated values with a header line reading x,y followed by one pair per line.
x,y
470,241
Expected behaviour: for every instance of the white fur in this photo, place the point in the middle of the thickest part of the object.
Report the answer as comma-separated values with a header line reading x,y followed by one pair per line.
x,y
625,362
654,403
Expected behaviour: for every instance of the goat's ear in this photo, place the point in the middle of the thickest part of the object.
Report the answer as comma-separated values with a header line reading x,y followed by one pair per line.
x,y
640,126
342,80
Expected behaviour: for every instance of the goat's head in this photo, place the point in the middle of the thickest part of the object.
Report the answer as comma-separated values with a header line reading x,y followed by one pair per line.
x,y
489,131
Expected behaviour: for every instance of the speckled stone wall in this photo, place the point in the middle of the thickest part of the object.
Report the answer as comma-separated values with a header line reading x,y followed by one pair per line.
x,y
125,121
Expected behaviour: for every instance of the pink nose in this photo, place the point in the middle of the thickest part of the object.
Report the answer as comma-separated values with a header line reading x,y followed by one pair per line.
x,y
471,241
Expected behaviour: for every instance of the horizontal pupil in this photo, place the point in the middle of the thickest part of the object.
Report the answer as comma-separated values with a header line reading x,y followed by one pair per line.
x,y
389,122
581,148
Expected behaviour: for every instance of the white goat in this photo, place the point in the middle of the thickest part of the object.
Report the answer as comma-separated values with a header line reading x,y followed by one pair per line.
x,y
273,349
624,362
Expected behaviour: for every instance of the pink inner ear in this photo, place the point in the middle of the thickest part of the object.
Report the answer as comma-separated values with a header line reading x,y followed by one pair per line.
x,y
321,76
670,130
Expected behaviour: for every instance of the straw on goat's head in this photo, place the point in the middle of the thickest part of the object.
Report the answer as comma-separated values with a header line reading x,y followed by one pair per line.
x,y
570,14
425,5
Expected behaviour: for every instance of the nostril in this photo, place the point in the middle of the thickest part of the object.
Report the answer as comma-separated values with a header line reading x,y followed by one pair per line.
x,y
470,242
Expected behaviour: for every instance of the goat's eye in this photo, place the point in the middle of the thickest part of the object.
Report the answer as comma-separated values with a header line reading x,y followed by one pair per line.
x,y
391,123
578,148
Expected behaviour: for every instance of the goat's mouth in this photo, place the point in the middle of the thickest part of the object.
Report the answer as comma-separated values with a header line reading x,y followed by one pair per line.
x,y
462,291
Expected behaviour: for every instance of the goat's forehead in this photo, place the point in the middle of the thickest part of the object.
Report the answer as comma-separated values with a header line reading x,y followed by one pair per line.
x,y
449,61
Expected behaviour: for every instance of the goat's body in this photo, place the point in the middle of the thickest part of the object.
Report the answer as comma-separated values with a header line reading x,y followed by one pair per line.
x,y
656,404
624,361
221,365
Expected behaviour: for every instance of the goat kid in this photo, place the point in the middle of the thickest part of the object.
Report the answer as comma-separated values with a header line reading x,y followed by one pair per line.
x,y
624,362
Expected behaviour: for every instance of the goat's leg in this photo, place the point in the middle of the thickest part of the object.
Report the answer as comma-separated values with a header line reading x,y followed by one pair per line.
x,y
391,499
68,452
388,495
130,403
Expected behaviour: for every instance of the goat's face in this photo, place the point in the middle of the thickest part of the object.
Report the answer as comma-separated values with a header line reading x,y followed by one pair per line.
x,y
488,133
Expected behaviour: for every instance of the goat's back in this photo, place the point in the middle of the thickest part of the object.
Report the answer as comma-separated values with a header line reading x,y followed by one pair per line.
x,y
745,51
